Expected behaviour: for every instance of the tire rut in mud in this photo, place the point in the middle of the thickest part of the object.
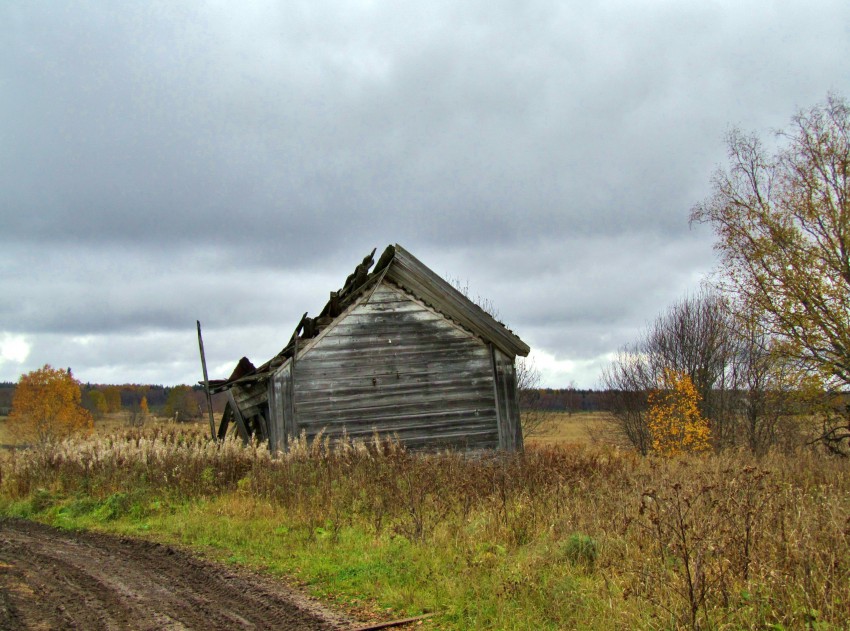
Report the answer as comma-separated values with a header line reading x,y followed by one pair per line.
x,y
53,579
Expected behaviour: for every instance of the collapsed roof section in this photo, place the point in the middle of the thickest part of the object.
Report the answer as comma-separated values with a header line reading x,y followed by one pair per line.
x,y
400,267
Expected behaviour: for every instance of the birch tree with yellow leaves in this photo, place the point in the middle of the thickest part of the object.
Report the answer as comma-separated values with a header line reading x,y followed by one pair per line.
x,y
674,419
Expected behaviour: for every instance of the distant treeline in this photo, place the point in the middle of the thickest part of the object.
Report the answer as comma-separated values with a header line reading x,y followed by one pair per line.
x,y
190,401
186,402
567,400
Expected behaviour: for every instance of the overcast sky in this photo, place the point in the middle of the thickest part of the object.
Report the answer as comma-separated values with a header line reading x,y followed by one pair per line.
x,y
162,162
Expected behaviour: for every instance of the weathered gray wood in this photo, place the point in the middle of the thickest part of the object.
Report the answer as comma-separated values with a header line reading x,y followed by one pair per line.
x,y
513,406
274,419
277,410
226,417
466,412
410,310
510,429
457,438
436,422
439,357
280,391
262,427
463,436
393,395
290,427
256,396
500,411
458,419
318,376
292,410
333,305
398,352
237,416
410,273
206,381
401,369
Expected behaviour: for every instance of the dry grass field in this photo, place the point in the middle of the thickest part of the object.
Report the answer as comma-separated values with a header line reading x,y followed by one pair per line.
x,y
557,428
577,428
558,537
109,424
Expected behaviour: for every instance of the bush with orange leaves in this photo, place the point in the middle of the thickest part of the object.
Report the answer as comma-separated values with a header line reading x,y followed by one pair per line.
x,y
46,407
674,420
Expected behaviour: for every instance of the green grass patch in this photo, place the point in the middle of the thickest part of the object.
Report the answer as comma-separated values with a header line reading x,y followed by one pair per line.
x,y
484,587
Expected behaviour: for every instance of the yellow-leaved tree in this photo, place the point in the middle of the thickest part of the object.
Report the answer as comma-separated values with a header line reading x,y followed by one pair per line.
x,y
46,406
674,420
782,220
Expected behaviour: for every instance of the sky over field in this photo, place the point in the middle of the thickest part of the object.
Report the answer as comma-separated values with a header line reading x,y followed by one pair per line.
x,y
166,162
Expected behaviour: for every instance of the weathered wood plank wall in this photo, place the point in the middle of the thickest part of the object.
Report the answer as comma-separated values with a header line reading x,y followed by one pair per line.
x,y
251,398
510,434
393,365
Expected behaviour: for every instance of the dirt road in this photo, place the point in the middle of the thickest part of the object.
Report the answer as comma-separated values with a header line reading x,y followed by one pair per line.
x,y
51,579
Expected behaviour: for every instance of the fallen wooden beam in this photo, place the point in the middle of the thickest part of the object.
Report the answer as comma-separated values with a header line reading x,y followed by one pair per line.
x,y
394,623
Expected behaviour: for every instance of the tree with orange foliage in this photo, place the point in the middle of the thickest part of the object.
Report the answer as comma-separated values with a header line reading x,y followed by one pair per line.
x,y
674,420
46,406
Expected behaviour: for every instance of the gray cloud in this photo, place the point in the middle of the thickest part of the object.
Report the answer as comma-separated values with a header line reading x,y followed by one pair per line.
x,y
165,162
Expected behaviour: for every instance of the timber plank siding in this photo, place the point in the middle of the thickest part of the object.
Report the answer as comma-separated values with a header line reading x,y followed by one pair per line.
x,y
394,366
396,351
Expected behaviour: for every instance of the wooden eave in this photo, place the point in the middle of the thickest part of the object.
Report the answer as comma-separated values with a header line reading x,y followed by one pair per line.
x,y
411,274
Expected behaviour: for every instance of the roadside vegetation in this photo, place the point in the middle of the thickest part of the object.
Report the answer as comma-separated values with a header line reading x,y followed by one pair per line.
x,y
570,537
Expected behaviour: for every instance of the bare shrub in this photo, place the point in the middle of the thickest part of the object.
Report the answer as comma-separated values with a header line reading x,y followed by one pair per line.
x,y
749,391
533,417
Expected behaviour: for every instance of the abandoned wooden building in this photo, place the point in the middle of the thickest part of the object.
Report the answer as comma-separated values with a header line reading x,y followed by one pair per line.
x,y
397,351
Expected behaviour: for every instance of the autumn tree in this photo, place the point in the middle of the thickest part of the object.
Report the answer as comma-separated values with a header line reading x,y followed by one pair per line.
x,y
46,406
748,390
182,404
693,337
674,419
113,398
782,220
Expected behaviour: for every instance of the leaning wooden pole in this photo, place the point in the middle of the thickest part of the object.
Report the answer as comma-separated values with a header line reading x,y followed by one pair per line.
x,y
206,381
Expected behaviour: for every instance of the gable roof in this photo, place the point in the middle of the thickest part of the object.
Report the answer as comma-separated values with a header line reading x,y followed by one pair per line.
x,y
400,267
411,274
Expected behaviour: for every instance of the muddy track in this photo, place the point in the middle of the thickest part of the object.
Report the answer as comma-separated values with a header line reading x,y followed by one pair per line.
x,y
53,579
